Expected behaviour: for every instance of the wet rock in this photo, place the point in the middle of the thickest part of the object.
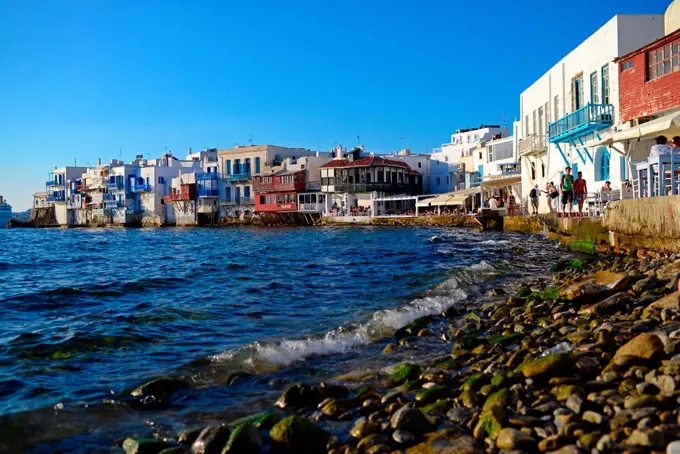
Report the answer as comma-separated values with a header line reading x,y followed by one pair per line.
x,y
646,284
366,444
645,347
563,392
188,436
405,372
135,445
575,403
211,440
411,419
597,285
425,333
667,302
330,390
437,408
548,365
469,399
459,415
159,389
363,428
475,382
610,305
668,271
245,439
593,417
647,439
264,420
299,395
299,435
514,439
435,393
448,441
403,437
639,401
435,375
412,328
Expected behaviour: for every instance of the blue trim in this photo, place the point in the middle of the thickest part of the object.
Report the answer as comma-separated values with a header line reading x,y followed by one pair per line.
x,y
623,167
584,121
585,150
573,144
559,148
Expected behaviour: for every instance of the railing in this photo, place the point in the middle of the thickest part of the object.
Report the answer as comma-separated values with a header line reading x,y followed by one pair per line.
x,y
56,198
202,176
238,177
115,185
98,212
114,203
208,193
51,183
587,119
239,201
532,144
142,188
437,150
176,197
261,188
368,187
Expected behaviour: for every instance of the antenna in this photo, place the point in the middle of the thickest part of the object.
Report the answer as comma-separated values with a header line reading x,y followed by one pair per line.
x,y
120,153
74,163
250,139
358,140
505,123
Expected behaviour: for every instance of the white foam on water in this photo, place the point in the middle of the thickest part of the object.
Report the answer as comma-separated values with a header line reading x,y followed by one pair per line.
x,y
261,357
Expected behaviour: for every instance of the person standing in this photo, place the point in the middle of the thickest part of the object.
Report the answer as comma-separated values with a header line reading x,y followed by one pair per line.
x,y
493,203
567,187
581,191
534,196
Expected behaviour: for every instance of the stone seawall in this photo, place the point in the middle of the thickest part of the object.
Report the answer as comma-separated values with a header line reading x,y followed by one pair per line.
x,y
627,225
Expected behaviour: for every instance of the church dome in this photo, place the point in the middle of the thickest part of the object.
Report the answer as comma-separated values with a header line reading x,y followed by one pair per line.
x,y
672,18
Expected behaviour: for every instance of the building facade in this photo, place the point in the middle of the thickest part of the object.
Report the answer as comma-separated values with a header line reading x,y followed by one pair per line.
x,y
574,103
5,212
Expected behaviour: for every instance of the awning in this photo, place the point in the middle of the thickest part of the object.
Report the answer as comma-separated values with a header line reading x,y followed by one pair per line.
x,y
449,199
502,182
668,125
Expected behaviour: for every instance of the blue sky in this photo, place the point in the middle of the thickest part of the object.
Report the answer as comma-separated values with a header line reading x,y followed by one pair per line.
x,y
85,79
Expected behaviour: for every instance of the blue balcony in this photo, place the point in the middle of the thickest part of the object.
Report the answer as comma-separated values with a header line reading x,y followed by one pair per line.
x,y
208,192
115,185
50,183
114,203
142,188
239,177
204,176
588,119
56,198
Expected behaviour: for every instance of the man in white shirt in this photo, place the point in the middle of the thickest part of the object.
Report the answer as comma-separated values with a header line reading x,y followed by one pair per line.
x,y
661,148
493,203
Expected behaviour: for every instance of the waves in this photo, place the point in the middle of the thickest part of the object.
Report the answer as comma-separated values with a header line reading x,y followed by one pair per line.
x,y
261,357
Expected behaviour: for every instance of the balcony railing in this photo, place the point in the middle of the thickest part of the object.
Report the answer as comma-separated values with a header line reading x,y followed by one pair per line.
x,y
240,201
53,183
114,203
208,193
535,143
588,119
369,187
56,198
115,186
142,188
203,176
239,177
262,188
176,197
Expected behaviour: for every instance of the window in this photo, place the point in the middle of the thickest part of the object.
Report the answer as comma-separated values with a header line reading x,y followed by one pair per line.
x,y
257,165
577,93
556,107
534,123
419,165
662,61
533,170
602,158
605,84
541,121
263,199
543,170
161,180
439,181
227,194
246,191
629,64
594,92
547,116
227,167
526,126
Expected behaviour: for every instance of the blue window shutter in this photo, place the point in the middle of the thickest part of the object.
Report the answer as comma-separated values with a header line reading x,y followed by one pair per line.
x,y
227,164
246,191
604,168
624,170
257,165
574,170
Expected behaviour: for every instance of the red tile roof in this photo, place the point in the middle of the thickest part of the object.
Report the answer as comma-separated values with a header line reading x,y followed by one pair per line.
x,y
365,162
414,172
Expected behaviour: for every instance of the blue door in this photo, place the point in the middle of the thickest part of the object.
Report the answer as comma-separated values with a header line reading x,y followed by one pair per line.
x,y
238,195
227,194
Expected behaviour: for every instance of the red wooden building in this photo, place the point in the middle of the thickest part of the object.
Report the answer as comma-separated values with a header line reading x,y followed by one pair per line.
x,y
649,79
278,192
186,192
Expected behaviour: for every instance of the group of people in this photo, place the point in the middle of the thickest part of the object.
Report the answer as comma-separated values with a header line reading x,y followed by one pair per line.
x,y
571,189
494,202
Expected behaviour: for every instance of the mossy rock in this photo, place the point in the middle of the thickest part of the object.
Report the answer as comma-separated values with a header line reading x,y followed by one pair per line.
x,y
410,385
459,352
490,425
160,388
433,394
475,382
451,364
523,292
265,419
578,264
412,328
497,403
587,247
504,379
469,399
547,295
174,450
135,445
469,341
245,439
505,339
405,372
474,316
299,435
437,408
562,392
551,364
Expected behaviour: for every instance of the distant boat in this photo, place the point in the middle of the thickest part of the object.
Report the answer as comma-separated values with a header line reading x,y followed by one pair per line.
x,y
5,213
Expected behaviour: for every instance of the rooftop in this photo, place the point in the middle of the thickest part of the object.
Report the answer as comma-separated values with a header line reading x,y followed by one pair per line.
x,y
365,162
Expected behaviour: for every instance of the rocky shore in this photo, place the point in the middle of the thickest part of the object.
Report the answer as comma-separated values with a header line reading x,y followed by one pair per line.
x,y
587,360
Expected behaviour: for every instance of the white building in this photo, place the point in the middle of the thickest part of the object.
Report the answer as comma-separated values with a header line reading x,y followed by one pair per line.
x,y
416,161
447,173
60,188
5,212
576,101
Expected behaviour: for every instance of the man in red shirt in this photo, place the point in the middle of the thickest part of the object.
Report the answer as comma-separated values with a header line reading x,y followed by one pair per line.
x,y
581,191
